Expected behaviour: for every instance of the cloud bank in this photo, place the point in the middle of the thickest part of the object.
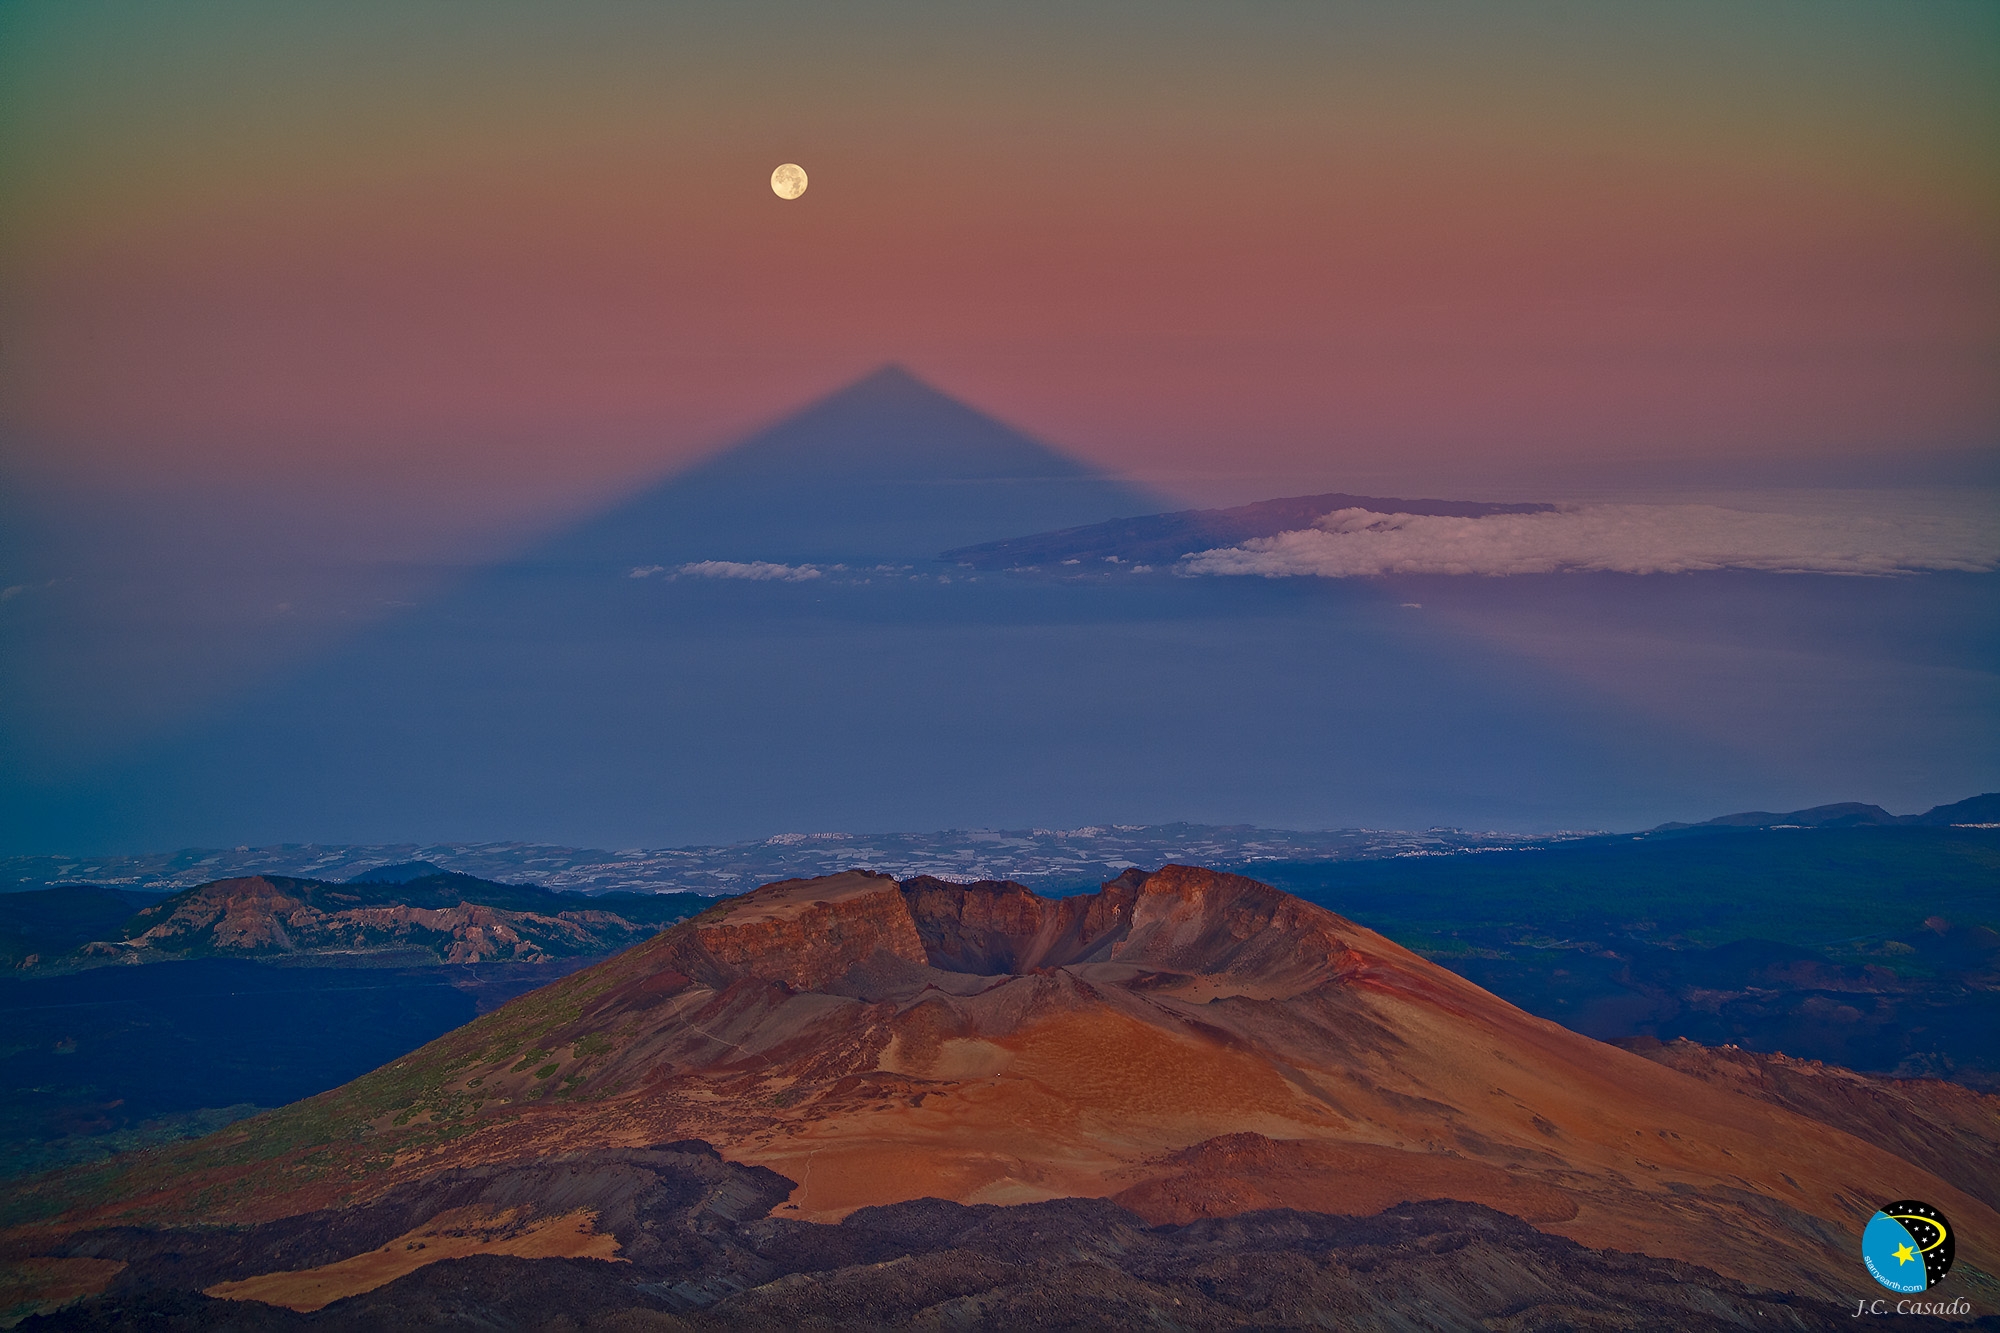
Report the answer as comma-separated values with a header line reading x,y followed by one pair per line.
x,y
1613,538
761,570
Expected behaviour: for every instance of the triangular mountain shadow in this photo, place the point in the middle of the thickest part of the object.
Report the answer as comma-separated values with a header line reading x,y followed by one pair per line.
x,y
557,697
887,468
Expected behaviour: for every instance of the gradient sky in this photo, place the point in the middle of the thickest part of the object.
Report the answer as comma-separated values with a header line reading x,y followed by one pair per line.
x,y
517,256
306,309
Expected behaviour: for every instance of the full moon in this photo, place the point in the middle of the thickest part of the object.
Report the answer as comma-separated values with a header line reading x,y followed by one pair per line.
x,y
789,181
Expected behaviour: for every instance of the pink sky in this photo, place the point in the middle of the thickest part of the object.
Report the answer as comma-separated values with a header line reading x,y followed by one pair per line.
x,y
538,266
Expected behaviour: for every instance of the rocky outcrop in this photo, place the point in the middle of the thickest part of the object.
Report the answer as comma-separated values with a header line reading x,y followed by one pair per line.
x,y
263,916
804,933
999,928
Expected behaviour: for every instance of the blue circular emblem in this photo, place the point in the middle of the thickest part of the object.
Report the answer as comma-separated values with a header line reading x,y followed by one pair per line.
x,y
1907,1246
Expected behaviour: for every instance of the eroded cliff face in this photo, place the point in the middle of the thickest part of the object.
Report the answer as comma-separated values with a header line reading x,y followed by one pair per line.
x,y
992,929
807,934
1191,1043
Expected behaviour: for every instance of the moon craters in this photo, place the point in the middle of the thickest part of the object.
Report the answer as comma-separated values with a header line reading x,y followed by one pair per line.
x,y
789,181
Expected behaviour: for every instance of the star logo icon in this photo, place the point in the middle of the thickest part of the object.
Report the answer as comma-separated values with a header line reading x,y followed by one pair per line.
x,y
1907,1246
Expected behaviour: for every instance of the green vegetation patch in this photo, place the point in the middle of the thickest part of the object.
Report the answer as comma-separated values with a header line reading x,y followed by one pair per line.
x,y
530,1058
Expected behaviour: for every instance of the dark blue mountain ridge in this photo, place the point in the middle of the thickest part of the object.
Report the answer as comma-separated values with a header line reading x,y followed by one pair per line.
x,y
1984,809
886,469
1161,538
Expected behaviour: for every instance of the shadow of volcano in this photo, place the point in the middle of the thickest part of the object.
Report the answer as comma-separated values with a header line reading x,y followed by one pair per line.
x,y
769,641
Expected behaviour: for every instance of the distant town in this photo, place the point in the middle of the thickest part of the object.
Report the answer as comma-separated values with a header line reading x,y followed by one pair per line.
x,y
1046,858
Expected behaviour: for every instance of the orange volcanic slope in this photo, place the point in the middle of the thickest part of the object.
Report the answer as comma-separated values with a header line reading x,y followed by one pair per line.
x,y
1187,1042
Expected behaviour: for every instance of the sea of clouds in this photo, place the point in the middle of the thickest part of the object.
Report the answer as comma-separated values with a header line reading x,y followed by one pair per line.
x,y
1618,538
758,571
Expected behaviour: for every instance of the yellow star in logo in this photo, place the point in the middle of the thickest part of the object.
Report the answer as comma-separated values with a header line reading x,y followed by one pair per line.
x,y
1904,1254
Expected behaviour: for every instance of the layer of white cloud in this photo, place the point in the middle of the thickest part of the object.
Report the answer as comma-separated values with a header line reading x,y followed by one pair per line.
x,y
1615,538
762,570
